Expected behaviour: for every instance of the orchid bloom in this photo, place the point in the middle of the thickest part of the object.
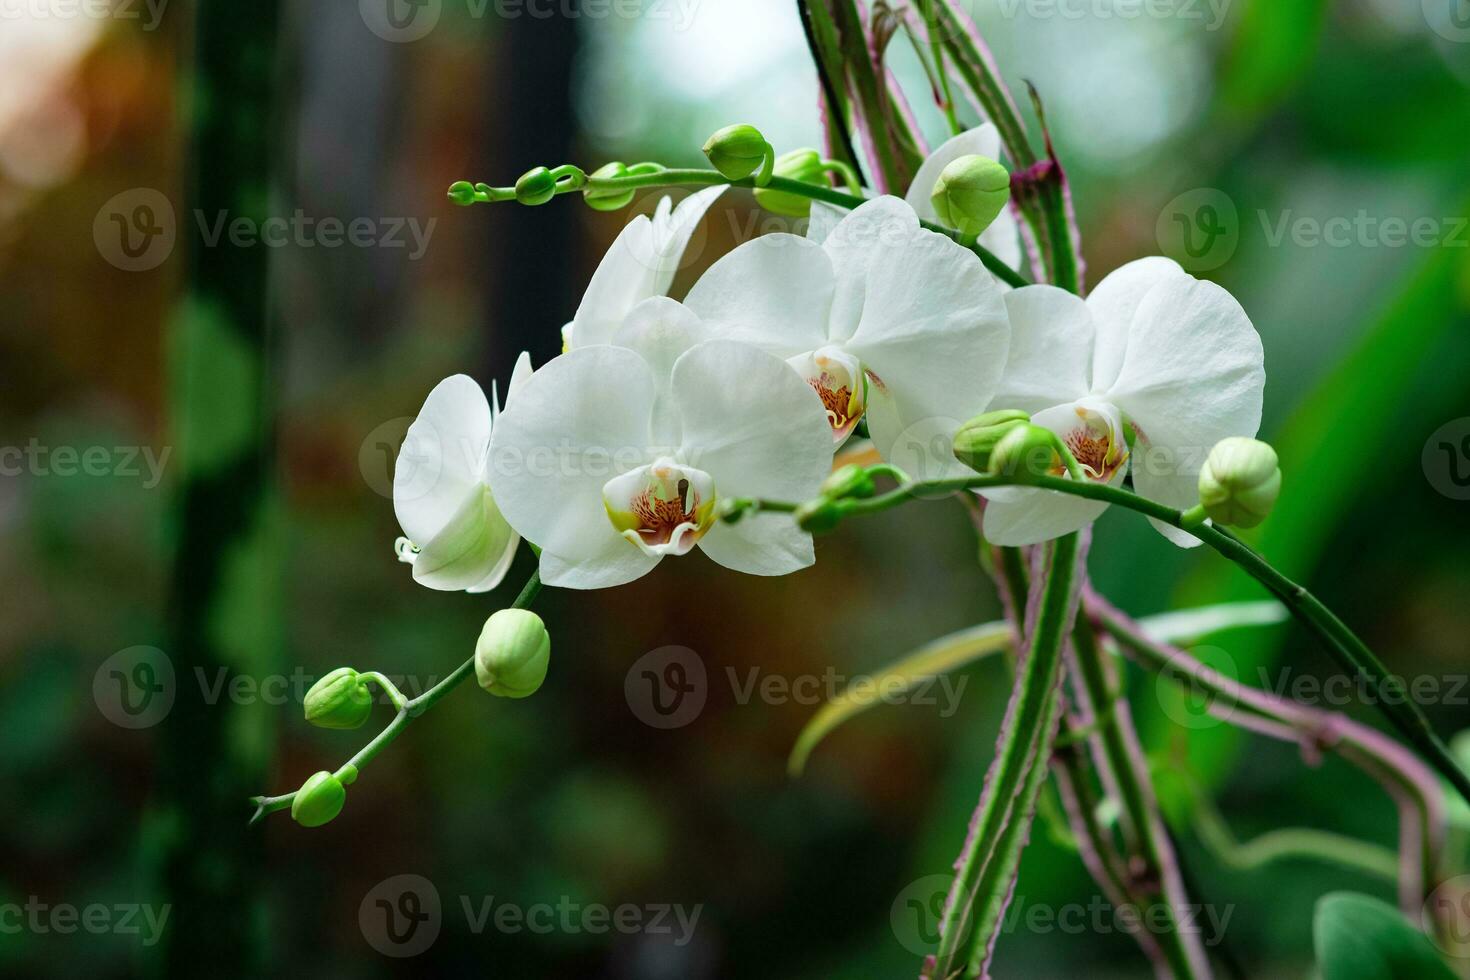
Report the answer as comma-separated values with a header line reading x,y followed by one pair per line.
x,y
640,265
616,455
455,537
883,318
1147,374
1002,239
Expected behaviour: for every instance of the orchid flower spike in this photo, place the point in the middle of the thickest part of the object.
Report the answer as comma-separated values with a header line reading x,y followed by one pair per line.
x,y
455,537
1147,374
884,318
613,457
640,265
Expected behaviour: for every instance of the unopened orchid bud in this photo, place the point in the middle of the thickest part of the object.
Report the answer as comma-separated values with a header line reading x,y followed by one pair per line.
x,y
536,186
462,192
804,165
819,516
1240,482
513,653
1026,452
608,200
339,699
321,798
977,438
739,151
848,481
970,193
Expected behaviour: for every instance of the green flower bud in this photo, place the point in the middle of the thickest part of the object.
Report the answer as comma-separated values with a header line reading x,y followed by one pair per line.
x,y
1025,452
819,516
977,438
536,186
848,481
462,192
339,699
608,200
512,654
804,165
1240,482
321,798
970,193
739,151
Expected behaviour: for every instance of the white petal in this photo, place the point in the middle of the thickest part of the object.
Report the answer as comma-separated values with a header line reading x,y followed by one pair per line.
x,y
824,217
1194,374
1113,303
774,292
751,423
1050,359
441,458
933,334
612,567
1032,516
760,544
879,233
672,233
519,375
983,140
581,420
625,277
1003,239
660,329
473,551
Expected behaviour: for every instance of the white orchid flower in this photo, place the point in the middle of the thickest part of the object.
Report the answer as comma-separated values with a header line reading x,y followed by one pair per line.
x,y
1154,359
455,537
641,264
883,318
613,457
1002,239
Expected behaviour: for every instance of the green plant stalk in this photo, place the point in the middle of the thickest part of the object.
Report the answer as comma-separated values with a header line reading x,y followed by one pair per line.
x,y
826,52
1143,827
1340,642
486,194
870,87
407,713
1025,744
1290,843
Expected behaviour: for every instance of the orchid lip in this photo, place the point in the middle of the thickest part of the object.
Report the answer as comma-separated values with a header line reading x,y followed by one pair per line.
x,y
840,382
663,508
1094,433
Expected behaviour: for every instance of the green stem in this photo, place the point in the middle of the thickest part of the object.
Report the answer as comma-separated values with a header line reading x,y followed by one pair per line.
x,y
1345,647
485,194
407,712
1288,843
1143,828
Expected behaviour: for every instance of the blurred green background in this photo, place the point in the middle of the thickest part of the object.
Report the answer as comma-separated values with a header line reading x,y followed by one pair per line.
x,y
1280,115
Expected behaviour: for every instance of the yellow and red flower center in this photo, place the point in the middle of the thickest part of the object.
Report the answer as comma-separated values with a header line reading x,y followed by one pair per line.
x,y
663,508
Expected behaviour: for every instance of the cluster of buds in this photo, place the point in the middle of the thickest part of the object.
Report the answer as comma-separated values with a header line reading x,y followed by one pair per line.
x,y
1006,443
847,483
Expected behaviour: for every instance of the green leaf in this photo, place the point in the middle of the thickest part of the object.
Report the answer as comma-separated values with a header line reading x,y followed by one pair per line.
x,y
965,647
1362,938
